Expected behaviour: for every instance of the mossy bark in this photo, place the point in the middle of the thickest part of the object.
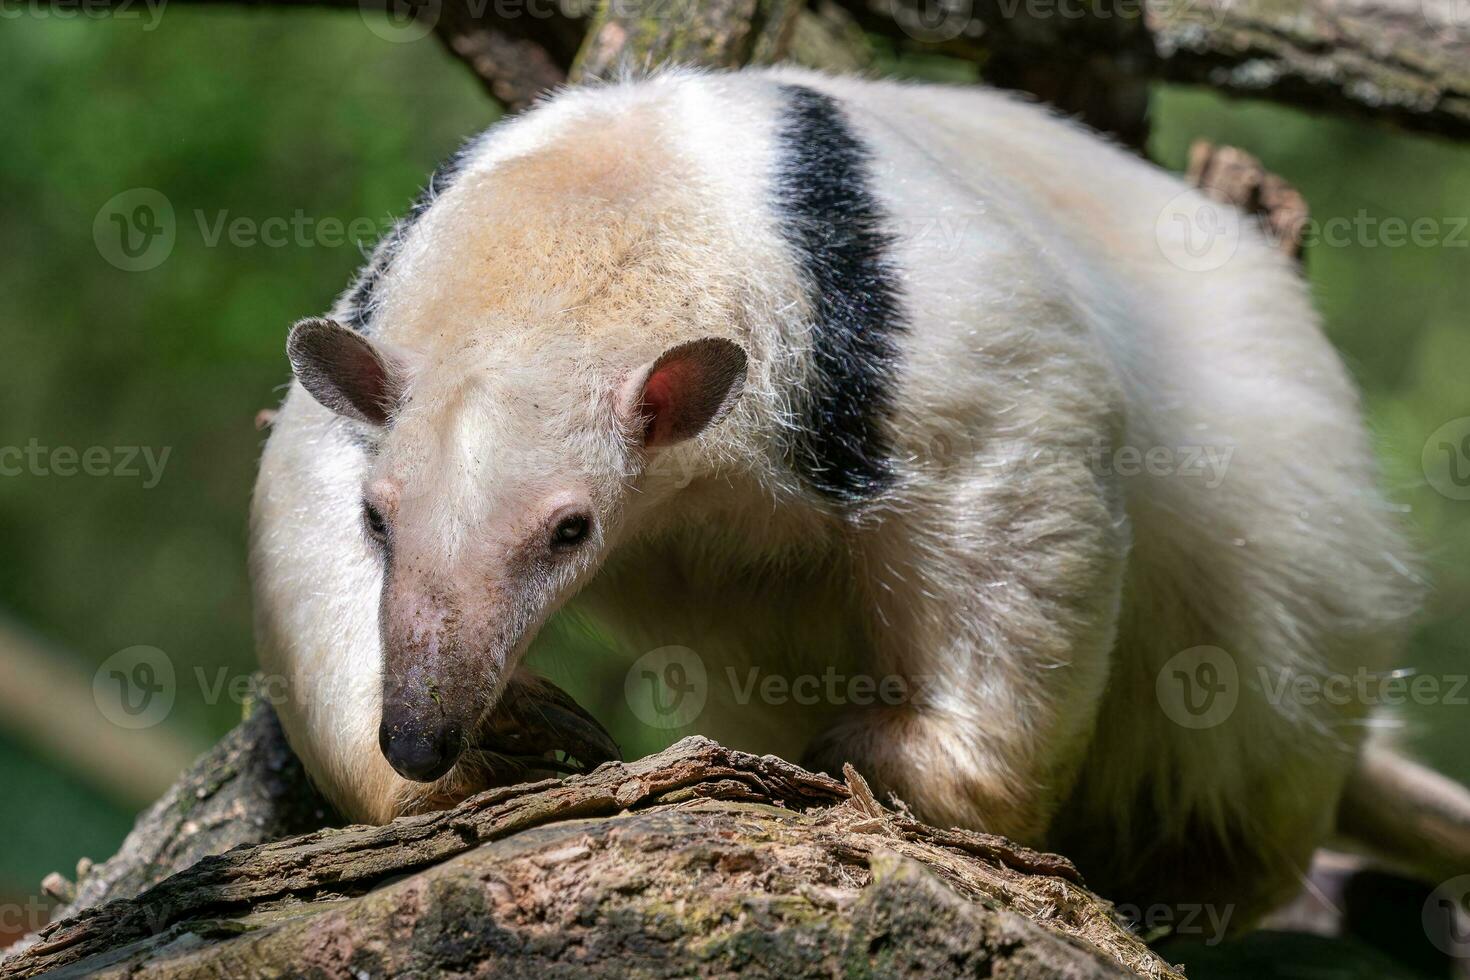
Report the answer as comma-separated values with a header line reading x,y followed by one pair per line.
x,y
629,36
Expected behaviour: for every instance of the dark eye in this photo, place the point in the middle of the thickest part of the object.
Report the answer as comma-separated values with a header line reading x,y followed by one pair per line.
x,y
377,528
571,532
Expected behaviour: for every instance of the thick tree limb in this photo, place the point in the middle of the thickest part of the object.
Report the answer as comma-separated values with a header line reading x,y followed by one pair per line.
x,y
1404,60
1407,61
699,858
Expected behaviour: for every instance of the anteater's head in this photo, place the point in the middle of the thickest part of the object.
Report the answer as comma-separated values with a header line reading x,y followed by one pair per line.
x,y
495,488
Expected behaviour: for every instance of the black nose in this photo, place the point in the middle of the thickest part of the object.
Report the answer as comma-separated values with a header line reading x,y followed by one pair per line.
x,y
420,755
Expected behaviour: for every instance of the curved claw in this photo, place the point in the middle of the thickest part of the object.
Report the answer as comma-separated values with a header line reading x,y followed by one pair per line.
x,y
534,717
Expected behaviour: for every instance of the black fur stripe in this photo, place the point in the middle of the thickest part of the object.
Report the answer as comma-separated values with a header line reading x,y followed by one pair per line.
x,y
836,228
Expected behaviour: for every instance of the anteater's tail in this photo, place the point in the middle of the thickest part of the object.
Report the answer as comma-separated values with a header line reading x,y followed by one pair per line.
x,y
1407,815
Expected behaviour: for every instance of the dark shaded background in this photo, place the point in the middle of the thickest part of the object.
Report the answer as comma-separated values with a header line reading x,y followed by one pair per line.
x,y
310,116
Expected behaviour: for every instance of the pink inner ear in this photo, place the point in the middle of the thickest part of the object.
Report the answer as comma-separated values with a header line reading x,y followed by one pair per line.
x,y
659,399
690,386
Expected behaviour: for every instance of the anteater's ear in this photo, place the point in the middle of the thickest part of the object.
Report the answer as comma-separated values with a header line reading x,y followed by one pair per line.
x,y
684,390
345,371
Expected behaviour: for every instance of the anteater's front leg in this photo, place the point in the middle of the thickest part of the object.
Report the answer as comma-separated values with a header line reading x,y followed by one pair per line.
x,y
998,610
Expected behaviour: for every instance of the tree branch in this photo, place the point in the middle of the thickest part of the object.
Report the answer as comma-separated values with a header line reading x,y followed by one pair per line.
x,y
697,858
716,33
1406,61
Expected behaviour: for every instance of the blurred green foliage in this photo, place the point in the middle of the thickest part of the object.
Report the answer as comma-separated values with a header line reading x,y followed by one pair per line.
x,y
275,114
253,114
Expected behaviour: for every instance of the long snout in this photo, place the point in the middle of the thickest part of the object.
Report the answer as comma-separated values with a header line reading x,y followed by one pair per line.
x,y
440,663
420,740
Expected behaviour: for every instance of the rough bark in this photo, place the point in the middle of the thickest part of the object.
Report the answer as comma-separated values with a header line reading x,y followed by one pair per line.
x,y
1402,60
717,33
699,859
516,59
1405,60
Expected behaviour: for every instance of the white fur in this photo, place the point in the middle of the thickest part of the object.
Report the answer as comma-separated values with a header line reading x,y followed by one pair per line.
x,y
1042,596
